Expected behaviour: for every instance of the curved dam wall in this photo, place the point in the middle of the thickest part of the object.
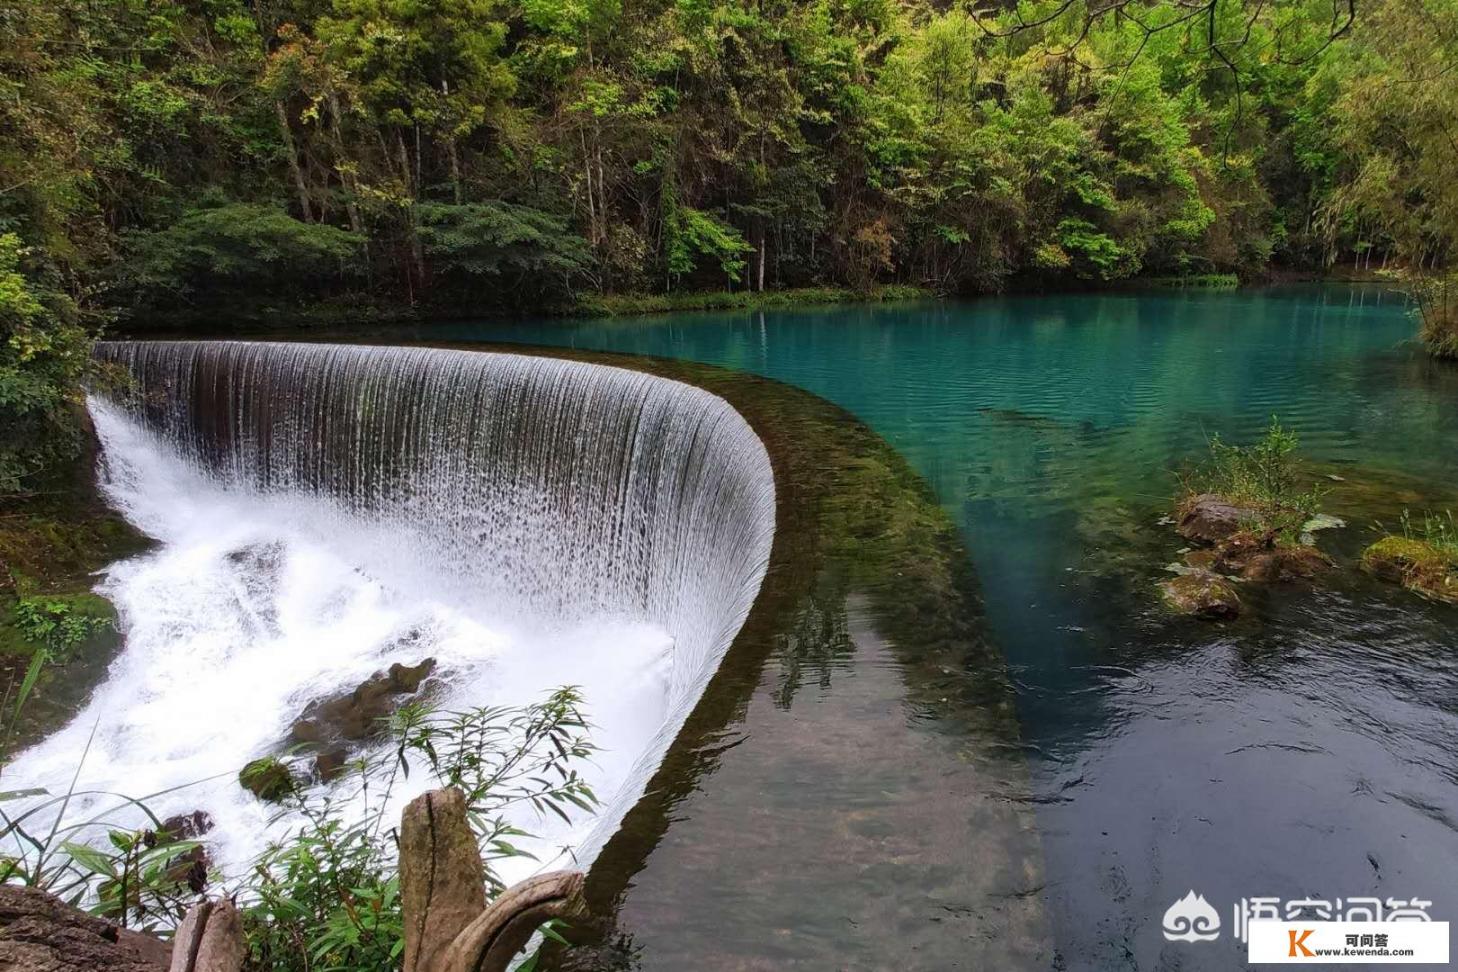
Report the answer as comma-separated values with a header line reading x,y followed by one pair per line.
x,y
541,492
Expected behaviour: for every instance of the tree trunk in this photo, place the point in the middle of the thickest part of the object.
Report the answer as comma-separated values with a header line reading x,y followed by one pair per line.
x,y
448,926
210,939
288,138
341,164
760,272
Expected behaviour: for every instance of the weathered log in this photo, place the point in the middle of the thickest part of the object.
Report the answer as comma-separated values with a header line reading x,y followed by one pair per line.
x,y
210,939
448,926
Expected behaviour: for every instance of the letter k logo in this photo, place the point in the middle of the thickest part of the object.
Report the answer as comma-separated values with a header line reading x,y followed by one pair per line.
x,y
1300,943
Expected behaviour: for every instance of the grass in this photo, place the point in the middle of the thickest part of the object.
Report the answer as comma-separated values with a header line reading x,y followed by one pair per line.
x,y
1264,478
1423,558
615,305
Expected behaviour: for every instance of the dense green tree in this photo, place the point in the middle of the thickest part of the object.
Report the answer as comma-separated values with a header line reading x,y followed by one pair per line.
x,y
171,155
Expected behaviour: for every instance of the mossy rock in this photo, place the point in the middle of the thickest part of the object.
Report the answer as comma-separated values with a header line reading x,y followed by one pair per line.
x,y
269,779
1201,594
1417,566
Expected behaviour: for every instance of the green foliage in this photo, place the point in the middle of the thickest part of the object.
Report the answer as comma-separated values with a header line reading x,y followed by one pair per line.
x,y
57,625
691,234
1263,477
1436,302
326,895
501,244
614,305
209,254
1437,530
43,357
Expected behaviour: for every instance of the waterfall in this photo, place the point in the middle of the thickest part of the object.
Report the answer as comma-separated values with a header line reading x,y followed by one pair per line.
x,y
324,510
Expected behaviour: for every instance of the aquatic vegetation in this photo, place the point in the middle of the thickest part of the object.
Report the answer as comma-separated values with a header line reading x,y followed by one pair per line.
x,y
1261,484
1202,281
1424,558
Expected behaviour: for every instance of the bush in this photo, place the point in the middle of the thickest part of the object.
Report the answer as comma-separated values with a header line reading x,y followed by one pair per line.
x,y
1262,478
212,255
496,242
1437,310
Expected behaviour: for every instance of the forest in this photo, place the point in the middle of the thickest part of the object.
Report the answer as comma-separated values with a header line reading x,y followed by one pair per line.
x,y
198,160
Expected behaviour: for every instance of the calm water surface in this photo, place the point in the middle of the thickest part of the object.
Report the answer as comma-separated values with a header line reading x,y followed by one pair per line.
x,y
1308,750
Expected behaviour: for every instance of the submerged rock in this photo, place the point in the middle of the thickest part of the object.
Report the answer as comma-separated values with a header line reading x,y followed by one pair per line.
x,y
268,778
335,726
1210,517
1203,559
1321,521
1258,558
1201,593
1415,565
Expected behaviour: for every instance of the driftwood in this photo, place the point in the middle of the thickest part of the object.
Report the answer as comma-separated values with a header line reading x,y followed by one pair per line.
x,y
448,927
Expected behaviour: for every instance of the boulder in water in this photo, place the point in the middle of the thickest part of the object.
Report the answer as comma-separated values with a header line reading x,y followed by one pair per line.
x,y
1258,558
191,866
1203,594
1210,517
360,715
1415,565
330,763
268,778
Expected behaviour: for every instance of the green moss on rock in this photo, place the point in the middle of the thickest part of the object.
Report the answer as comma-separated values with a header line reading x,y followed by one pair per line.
x,y
268,778
1416,565
1201,594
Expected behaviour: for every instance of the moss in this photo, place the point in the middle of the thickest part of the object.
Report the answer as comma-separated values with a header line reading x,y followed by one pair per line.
x,y
1202,594
1416,565
268,778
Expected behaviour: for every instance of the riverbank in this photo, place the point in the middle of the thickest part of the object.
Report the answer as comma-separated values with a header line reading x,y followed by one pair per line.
x,y
57,635
365,310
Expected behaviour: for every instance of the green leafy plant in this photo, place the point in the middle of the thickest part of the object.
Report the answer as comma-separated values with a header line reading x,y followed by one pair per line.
x,y
56,625
1262,477
326,896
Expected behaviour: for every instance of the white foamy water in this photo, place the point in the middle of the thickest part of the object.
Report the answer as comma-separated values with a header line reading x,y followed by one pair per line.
x,y
264,595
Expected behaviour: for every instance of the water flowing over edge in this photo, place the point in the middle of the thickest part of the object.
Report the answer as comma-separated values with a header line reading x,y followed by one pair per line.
x,y
325,510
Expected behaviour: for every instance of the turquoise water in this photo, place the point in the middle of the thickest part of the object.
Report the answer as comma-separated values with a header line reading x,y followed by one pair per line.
x,y
1307,750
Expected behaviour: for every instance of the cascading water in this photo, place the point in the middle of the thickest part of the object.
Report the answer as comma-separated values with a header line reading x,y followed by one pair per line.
x,y
324,511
